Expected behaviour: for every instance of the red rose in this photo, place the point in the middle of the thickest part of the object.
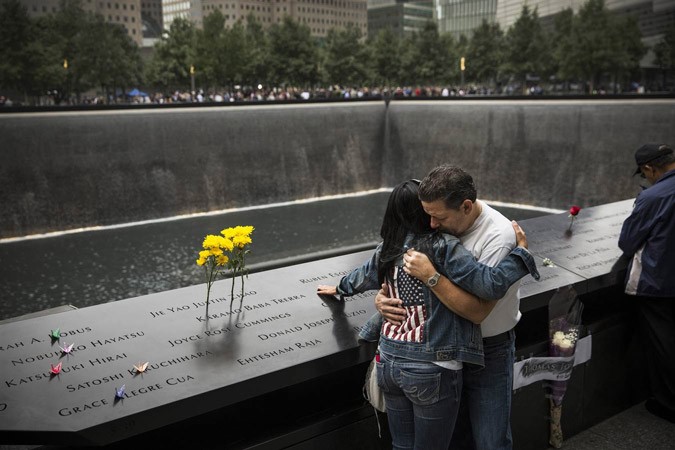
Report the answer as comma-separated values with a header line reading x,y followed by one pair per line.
x,y
574,210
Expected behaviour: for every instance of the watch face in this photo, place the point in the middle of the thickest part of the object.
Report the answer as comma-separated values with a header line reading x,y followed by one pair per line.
x,y
433,280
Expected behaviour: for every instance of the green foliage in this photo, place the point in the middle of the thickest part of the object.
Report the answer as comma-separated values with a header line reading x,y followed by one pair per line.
x,y
385,58
258,52
664,50
345,57
427,58
626,45
174,55
588,46
563,44
210,61
64,53
597,42
526,47
293,54
15,42
486,50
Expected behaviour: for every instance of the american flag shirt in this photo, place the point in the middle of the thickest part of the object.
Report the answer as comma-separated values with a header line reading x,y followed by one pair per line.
x,y
411,291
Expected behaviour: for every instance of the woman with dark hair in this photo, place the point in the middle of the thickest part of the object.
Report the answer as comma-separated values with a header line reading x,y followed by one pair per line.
x,y
420,360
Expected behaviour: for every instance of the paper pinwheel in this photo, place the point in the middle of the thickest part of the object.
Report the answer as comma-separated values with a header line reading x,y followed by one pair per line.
x,y
55,369
140,368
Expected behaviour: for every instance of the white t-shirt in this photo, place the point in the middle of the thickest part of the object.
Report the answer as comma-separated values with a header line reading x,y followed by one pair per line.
x,y
490,239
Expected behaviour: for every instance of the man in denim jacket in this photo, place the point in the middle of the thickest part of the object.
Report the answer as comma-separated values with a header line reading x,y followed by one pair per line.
x,y
448,195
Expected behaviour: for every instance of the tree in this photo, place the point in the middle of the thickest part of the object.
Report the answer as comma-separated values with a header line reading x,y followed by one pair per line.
x,y
664,52
210,51
257,48
526,47
562,46
293,54
16,36
427,58
174,55
385,57
590,54
485,52
345,61
626,48
107,57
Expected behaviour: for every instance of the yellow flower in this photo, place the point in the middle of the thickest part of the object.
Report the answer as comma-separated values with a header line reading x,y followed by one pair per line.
x,y
244,231
203,257
228,233
241,241
227,244
212,241
216,262
237,231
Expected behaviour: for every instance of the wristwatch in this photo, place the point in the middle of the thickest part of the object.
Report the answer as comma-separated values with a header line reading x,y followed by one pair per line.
x,y
433,280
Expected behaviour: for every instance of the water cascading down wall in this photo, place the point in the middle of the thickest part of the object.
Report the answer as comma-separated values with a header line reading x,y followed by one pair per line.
x,y
64,170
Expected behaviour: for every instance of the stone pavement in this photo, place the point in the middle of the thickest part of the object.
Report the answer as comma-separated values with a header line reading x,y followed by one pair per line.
x,y
633,429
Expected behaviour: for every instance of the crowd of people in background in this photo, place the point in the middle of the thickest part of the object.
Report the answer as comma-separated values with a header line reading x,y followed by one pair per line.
x,y
262,94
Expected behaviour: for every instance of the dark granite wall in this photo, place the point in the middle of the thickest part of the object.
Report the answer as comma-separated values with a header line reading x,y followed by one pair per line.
x,y
548,153
74,169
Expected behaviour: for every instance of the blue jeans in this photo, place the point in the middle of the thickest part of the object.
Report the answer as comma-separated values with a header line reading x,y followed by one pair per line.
x,y
422,402
484,421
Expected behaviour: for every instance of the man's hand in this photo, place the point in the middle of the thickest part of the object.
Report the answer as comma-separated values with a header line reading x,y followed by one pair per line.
x,y
390,308
418,265
521,239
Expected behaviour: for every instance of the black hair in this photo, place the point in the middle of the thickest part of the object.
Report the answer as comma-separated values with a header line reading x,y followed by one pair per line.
x,y
404,214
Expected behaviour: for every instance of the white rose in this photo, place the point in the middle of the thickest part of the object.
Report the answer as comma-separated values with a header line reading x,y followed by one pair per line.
x,y
557,337
565,344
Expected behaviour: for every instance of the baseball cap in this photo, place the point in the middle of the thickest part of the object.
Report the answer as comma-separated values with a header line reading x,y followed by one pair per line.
x,y
649,152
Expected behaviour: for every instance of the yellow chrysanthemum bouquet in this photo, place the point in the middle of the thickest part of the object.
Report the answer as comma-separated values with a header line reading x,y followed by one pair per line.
x,y
225,254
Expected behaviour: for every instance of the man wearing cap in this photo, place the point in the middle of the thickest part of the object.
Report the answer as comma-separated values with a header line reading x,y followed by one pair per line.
x,y
648,237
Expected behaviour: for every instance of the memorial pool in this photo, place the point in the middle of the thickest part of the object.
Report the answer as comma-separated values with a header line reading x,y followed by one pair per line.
x,y
114,263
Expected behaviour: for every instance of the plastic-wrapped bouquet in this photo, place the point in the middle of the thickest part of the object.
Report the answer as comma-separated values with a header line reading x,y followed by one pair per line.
x,y
565,310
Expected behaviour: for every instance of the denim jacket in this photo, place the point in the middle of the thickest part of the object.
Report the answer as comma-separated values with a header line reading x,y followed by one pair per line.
x,y
446,336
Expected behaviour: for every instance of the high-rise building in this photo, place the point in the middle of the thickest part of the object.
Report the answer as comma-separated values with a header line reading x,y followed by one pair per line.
x,y
402,17
153,19
319,15
463,16
126,13
186,9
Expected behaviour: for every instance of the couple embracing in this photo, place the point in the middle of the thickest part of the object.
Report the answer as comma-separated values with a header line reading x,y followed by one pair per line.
x,y
448,270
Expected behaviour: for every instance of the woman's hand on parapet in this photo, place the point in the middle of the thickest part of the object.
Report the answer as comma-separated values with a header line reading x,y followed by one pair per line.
x,y
390,308
521,239
326,290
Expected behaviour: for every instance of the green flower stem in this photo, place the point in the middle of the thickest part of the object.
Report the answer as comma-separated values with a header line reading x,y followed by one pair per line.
x,y
210,277
234,277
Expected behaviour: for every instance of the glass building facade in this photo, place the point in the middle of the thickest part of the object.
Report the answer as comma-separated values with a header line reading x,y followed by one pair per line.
x,y
463,16
403,18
